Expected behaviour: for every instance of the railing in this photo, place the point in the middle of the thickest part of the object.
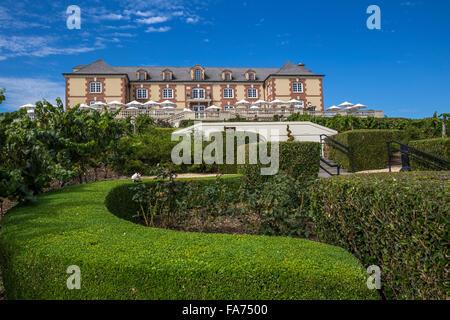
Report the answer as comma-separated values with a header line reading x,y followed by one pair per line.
x,y
408,151
248,114
347,150
338,166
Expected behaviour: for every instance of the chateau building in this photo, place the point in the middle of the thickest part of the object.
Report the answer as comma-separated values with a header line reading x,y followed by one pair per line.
x,y
195,87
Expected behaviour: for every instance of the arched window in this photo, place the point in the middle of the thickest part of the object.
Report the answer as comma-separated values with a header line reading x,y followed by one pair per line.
x,y
252,93
228,93
198,93
141,93
198,74
251,76
227,77
95,87
297,87
167,93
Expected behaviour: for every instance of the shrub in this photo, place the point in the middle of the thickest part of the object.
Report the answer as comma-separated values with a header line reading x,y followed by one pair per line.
x,y
396,221
369,148
119,199
122,260
300,160
437,147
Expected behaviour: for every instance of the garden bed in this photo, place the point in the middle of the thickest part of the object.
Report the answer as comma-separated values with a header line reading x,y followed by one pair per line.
x,y
123,260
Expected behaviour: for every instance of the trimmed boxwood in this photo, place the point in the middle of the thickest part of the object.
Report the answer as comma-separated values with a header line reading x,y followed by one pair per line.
x,y
369,148
437,147
300,160
396,221
119,200
123,260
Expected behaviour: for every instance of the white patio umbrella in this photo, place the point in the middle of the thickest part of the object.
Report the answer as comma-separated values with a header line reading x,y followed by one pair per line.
x,y
333,108
132,108
295,103
260,102
254,107
134,103
84,106
115,103
213,107
151,103
346,104
359,106
99,104
168,103
277,102
243,102
187,110
30,111
28,106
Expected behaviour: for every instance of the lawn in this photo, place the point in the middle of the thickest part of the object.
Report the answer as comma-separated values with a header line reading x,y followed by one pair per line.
x,y
122,260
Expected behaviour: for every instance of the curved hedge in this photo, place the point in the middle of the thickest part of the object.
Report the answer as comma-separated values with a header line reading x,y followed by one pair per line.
x,y
122,260
397,221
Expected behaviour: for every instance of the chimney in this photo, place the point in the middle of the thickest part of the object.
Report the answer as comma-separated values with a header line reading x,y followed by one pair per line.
x,y
301,64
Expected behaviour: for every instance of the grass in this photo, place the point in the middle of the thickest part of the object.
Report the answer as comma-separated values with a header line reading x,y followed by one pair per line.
x,y
123,260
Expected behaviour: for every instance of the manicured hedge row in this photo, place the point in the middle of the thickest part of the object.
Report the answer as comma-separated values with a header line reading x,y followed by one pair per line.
x,y
300,160
369,148
122,260
119,200
396,221
437,147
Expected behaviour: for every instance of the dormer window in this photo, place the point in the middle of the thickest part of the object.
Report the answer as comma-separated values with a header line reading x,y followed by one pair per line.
x,y
250,75
226,75
197,73
167,75
142,75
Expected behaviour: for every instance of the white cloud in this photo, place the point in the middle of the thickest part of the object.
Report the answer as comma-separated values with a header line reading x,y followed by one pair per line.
x,y
144,13
153,20
20,91
111,16
160,29
18,46
192,19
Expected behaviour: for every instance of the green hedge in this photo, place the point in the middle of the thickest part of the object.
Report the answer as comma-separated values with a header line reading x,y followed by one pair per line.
x,y
300,160
396,221
122,260
437,147
369,148
119,199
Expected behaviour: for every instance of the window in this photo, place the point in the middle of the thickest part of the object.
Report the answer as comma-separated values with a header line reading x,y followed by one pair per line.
x,y
252,93
198,93
228,93
141,76
269,90
227,77
251,76
229,107
92,102
167,93
95,87
141,93
167,76
297,87
198,74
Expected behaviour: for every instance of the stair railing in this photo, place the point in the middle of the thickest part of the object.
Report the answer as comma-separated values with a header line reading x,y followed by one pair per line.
x,y
347,150
408,151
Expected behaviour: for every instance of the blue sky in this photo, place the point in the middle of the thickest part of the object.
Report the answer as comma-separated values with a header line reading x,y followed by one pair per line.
x,y
402,69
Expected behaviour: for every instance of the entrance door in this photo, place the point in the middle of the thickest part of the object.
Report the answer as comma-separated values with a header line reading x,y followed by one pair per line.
x,y
199,111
